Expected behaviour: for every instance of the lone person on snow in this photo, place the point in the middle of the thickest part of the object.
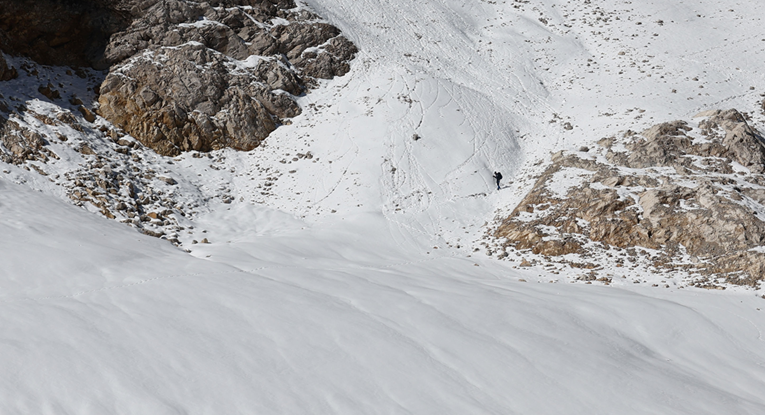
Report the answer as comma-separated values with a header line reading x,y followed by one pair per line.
x,y
497,177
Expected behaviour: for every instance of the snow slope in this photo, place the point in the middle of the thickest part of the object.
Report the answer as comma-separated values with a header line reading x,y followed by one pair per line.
x,y
351,286
328,322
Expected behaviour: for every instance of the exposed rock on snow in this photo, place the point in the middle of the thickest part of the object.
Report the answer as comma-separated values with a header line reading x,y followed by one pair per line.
x,y
700,197
197,77
110,177
21,143
184,75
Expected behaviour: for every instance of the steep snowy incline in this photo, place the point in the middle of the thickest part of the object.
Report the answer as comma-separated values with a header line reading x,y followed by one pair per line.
x,y
498,86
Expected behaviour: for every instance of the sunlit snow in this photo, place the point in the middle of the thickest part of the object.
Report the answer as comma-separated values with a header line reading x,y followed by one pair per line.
x,y
356,286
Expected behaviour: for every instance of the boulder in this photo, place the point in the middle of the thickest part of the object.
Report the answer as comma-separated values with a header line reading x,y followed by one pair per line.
x,y
194,100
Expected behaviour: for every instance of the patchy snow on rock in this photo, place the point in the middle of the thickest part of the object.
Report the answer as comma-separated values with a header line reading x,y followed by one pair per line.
x,y
566,179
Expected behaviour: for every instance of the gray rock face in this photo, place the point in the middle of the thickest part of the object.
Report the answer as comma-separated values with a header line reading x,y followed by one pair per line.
x,y
743,143
700,195
192,76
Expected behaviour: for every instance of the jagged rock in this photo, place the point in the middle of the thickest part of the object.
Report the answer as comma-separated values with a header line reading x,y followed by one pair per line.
x,y
293,41
19,142
700,207
196,77
156,234
743,143
85,149
666,144
178,106
184,75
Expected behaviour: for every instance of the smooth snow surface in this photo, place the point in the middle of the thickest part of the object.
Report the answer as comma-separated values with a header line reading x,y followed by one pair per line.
x,y
351,287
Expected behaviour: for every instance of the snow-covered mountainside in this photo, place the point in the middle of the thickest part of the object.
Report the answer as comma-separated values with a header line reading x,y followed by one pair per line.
x,y
341,266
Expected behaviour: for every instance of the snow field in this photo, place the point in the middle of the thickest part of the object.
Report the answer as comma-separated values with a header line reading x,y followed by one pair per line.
x,y
349,283
330,322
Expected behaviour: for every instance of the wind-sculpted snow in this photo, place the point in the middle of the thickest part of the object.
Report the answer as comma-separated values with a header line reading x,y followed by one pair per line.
x,y
340,267
327,321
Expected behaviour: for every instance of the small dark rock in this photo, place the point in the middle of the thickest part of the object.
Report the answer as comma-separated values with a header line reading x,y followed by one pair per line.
x,y
49,92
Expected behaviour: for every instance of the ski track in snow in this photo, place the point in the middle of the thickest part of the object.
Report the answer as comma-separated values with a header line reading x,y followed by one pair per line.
x,y
349,284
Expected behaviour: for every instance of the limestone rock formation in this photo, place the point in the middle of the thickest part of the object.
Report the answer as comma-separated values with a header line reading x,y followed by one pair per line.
x,y
192,76
191,98
183,75
687,194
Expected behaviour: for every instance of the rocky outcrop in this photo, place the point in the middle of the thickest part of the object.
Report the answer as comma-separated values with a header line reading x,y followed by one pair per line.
x,y
260,28
19,143
183,75
667,144
192,76
191,98
114,175
697,196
